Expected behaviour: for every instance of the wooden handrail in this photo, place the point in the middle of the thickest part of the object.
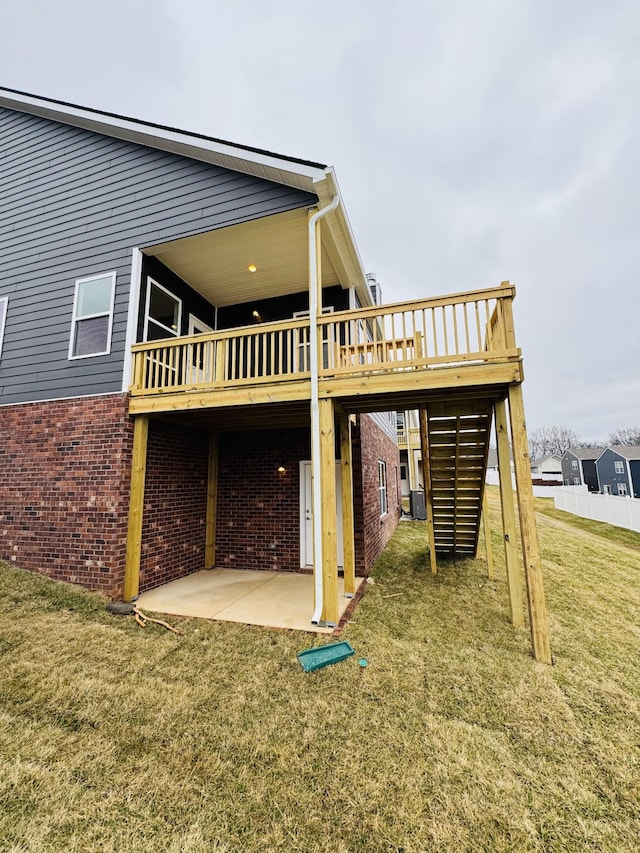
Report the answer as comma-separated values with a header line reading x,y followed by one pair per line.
x,y
470,327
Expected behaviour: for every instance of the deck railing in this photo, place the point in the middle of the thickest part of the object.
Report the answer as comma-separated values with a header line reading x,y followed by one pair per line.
x,y
408,438
465,328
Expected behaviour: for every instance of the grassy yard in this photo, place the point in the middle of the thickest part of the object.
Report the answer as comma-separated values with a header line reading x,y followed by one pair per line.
x,y
115,738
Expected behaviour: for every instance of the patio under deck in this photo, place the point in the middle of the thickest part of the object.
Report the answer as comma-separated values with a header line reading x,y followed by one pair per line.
x,y
453,358
269,599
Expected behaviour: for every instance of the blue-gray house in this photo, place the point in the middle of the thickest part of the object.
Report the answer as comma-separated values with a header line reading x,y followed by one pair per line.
x,y
619,471
579,467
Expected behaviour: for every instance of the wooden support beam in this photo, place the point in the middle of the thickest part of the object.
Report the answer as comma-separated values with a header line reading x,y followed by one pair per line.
x,y
348,528
328,513
487,536
212,503
428,491
530,548
509,529
136,507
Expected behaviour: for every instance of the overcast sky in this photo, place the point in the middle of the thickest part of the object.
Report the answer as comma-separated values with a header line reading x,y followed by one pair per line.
x,y
474,141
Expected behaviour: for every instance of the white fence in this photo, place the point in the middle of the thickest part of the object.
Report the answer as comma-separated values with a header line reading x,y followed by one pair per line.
x,y
493,479
614,509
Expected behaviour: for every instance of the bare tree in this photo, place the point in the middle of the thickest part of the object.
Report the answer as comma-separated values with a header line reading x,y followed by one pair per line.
x,y
551,441
628,437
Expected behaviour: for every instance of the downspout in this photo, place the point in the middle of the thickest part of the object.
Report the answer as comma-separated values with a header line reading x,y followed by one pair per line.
x,y
315,416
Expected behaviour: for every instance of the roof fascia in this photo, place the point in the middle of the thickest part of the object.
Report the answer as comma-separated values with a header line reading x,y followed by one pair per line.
x,y
311,177
250,161
341,235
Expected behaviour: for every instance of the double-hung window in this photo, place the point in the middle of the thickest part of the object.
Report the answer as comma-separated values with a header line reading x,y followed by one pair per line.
x,y
618,466
622,489
92,316
163,313
382,486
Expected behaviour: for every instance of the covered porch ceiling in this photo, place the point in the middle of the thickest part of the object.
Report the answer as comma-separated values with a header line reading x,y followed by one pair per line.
x,y
217,264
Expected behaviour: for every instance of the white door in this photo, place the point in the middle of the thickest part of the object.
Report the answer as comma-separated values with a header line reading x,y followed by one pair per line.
x,y
306,515
303,342
199,357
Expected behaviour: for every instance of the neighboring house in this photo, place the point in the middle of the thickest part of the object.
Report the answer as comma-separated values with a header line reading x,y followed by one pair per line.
x,y
579,467
619,471
411,477
548,469
195,373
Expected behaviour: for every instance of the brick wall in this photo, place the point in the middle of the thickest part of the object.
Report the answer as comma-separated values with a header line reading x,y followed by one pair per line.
x,y
64,489
372,532
175,504
258,521
64,494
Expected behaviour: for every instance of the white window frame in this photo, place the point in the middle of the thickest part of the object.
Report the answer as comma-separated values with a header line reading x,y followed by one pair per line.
x,y
622,489
75,319
576,481
618,466
382,487
4,301
574,464
171,333
607,490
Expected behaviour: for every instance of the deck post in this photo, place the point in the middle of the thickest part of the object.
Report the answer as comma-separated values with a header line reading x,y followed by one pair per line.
x,y
328,513
136,507
212,503
530,548
428,491
509,530
348,529
487,536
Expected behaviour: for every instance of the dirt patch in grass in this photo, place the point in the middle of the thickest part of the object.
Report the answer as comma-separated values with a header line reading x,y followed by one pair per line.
x,y
115,738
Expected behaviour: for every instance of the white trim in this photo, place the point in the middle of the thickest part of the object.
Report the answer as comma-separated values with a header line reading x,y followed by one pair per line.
x,y
195,321
4,300
74,319
132,316
175,334
303,529
60,399
209,150
383,487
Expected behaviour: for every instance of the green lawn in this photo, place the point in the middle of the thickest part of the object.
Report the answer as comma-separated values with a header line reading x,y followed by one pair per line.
x,y
115,738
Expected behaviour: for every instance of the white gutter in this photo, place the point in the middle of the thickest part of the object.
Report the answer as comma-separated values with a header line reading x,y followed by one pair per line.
x,y
315,416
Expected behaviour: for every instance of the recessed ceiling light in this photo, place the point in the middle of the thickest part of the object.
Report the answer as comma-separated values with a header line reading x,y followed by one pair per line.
x,y
252,268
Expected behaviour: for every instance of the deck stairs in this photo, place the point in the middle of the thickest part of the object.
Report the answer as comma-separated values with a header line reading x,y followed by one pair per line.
x,y
458,448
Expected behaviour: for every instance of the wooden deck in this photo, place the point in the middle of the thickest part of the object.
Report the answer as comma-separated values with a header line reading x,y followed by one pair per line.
x,y
447,351
399,351
453,358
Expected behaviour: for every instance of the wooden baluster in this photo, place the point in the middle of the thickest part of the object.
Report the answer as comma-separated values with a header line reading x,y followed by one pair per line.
x,y
454,313
444,327
466,327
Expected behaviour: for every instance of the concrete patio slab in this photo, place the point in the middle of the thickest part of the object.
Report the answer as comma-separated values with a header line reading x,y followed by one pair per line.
x,y
270,599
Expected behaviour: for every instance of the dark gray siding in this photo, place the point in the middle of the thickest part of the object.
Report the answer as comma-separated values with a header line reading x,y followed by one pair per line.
x,y
74,203
279,307
634,464
607,474
590,475
568,471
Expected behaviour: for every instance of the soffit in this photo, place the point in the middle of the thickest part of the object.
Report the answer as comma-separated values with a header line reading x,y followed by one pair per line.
x,y
216,263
